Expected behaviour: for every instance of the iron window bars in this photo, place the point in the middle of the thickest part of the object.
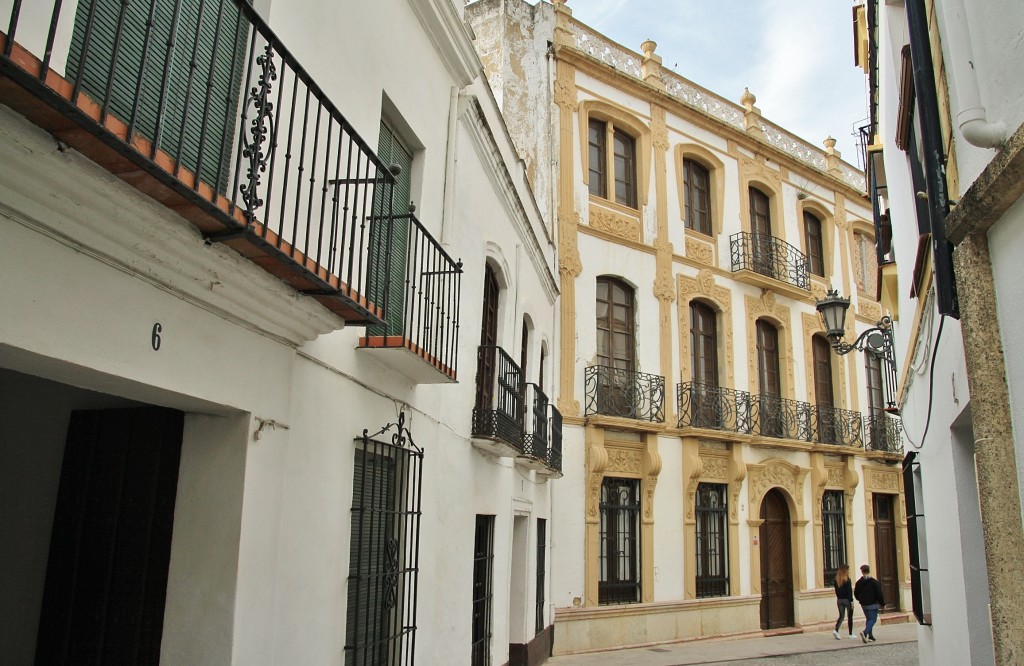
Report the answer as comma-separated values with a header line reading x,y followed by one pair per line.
x,y
384,549
833,529
712,540
483,592
542,535
769,256
619,557
617,392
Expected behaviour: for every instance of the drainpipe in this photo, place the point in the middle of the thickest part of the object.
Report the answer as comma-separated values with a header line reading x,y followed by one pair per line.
x,y
972,118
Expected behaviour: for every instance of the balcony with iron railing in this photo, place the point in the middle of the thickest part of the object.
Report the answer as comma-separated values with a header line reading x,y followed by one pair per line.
x,y
513,418
769,262
419,289
542,445
884,433
715,408
200,106
624,394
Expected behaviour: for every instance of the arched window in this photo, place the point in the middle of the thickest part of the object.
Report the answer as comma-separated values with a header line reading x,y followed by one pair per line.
x,y
823,396
770,406
697,196
703,344
616,172
615,324
813,244
762,243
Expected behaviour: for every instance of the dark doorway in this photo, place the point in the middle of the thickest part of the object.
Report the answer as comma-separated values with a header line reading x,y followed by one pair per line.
x,y
887,571
776,563
106,577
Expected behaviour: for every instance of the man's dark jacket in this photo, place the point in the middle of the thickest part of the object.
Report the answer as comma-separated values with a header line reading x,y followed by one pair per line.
x,y
868,591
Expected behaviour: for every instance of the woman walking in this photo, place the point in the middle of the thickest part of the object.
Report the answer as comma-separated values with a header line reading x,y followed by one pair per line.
x,y
844,600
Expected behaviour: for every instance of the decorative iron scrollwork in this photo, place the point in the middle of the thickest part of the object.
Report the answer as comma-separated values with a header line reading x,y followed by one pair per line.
x,y
769,256
618,392
262,126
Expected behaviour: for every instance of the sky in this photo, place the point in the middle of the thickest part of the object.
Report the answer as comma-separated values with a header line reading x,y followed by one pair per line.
x,y
796,56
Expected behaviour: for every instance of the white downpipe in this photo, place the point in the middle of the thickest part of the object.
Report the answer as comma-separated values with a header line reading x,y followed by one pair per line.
x,y
971,118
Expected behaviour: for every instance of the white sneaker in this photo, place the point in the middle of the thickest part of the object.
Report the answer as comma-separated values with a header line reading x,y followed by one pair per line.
x,y
853,637
836,634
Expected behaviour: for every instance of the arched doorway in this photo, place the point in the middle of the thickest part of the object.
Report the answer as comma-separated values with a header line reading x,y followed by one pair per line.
x,y
776,562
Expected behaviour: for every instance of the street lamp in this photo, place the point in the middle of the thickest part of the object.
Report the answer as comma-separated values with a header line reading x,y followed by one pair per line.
x,y
877,340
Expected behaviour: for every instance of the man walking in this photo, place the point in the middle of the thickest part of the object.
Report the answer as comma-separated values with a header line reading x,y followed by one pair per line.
x,y
868,592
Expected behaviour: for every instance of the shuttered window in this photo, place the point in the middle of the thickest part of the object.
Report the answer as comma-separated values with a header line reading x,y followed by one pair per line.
x,y
137,64
812,239
697,195
389,240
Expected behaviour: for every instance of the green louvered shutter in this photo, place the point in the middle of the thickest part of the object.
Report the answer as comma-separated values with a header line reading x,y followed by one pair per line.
x,y
223,46
391,152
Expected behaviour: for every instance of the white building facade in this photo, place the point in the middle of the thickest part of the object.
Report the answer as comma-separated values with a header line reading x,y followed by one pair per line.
x,y
217,288
944,149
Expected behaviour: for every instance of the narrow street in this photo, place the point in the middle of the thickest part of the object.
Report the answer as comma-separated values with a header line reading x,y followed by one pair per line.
x,y
896,646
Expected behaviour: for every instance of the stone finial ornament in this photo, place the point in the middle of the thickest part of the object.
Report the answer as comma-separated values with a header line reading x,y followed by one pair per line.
x,y
648,48
830,145
831,156
748,99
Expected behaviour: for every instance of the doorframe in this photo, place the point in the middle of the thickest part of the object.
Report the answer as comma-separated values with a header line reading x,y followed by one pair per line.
x,y
791,480
886,480
788,499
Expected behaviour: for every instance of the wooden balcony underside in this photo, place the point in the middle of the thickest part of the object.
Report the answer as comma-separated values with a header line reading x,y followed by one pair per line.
x,y
46,101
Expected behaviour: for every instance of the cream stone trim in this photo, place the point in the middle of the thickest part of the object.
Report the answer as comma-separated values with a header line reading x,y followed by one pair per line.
x,y
664,289
630,459
790,478
812,326
603,218
570,265
757,174
711,466
716,173
766,307
703,288
700,250
828,236
832,476
617,117
887,480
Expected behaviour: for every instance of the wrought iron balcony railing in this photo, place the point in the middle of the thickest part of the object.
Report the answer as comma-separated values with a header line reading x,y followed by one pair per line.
x,y
769,256
536,423
498,413
632,395
884,432
708,406
555,450
201,106
418,284
772,416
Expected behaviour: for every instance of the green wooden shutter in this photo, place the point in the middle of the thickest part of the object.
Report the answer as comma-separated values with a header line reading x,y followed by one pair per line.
x,y
226,49
391,152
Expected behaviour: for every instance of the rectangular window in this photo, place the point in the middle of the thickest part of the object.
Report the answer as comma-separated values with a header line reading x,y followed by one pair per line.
x,y
833,526
483,563
812,239
619,557
712,541
542,537
597,160
383,554
697,196
625,169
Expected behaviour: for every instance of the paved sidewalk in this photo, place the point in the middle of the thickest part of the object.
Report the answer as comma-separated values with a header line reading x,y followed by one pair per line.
x,y
714,651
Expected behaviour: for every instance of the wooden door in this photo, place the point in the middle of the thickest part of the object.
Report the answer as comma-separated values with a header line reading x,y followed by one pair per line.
x,y
761,228
110,547
776,563
487,355
887,570
823,396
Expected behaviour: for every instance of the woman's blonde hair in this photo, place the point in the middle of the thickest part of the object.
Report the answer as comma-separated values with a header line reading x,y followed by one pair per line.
x,y
842,574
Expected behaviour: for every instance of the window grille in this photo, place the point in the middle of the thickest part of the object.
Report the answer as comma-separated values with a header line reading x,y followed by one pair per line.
x,y
483,593
619,558
712,540
833,525
542,535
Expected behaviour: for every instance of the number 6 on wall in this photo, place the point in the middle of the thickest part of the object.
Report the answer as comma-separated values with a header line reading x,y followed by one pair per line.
x,y
155,340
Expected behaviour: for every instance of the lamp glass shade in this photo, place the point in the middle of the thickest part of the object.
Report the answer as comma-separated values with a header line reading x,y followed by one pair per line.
x,y
833,314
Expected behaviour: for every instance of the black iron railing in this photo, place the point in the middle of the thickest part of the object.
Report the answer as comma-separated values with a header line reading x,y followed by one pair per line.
x,y
555,450
772,416
202,96
498,414
536,424
419,284
769,256
884,432
708,406
617,392
831,425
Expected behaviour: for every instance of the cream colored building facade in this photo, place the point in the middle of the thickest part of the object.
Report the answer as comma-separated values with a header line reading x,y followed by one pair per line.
x,y
636,559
